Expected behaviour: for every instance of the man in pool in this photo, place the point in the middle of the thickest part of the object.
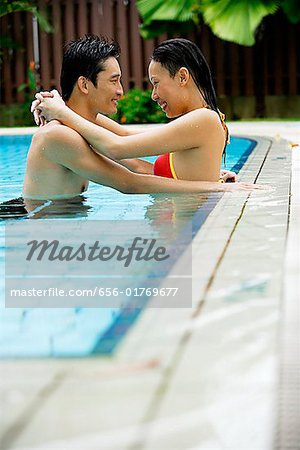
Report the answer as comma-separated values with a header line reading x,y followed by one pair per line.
x,y
60,162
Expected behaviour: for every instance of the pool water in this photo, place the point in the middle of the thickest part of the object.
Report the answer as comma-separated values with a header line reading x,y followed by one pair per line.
x,y
70,332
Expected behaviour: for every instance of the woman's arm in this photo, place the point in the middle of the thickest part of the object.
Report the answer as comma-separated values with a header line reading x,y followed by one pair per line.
x,y
183,133
115,127
66,148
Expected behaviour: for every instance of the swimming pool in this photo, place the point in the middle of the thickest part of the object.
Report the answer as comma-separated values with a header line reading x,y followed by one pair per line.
x,y
88,331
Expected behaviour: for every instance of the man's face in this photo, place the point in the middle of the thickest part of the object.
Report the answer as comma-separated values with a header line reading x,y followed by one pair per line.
x,y
104,97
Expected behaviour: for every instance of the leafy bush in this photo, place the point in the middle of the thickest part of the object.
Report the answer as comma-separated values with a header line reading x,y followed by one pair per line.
x,y
18,114
137,107
15,115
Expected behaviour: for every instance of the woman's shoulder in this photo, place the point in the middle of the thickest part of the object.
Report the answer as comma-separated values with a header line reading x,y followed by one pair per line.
x,y
204,113
203,117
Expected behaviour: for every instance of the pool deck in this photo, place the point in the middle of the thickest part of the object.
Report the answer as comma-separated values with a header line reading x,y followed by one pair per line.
x,y
222,375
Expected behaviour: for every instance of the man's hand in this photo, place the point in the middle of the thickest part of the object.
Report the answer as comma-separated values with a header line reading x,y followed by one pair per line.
x,y
228,176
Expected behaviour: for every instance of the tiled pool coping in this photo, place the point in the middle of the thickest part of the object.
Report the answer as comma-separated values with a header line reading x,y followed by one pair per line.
x,y
201,379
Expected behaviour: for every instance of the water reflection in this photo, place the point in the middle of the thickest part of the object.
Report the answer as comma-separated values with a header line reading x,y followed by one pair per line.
x,y
17,208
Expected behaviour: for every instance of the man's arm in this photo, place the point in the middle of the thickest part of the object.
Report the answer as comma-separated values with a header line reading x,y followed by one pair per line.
x,y
67,148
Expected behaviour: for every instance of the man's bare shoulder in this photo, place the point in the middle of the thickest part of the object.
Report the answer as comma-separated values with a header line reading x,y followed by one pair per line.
x,y
56,131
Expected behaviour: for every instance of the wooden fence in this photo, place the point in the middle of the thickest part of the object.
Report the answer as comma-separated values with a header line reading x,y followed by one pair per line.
x,y
271,67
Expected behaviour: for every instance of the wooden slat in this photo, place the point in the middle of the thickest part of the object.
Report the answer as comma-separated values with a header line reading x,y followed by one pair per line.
x,y
260,79
163,37
278,72
204,43
136,48
122,38
234,64
220,66
44,54
107,22
292,60
69,21
29,38
20,71
248,71
148,50
6,66
82,18
96,17
57,43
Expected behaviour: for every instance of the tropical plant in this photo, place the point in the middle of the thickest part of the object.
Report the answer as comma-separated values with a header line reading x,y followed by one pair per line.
x,y
234,21
30,87
10,6
136,106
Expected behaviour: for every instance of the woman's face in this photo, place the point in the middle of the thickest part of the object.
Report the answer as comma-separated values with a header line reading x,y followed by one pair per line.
x,y
166,90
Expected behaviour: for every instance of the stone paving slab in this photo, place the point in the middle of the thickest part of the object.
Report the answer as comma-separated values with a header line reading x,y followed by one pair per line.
x,y
226,374
181,377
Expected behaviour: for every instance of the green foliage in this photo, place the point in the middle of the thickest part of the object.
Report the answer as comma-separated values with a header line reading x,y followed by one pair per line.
x,y
8,42
291,9
163,16
29,88
234,21
134,108
10,6
15,115
137,107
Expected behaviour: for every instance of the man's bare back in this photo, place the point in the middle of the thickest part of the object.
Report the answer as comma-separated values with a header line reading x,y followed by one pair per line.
x,y
46,178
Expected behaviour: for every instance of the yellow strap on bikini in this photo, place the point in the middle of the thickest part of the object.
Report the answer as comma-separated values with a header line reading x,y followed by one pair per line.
x,y
172,166
225,128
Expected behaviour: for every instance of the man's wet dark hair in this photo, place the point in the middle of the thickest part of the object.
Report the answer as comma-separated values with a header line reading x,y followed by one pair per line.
x,y
176,53
85,57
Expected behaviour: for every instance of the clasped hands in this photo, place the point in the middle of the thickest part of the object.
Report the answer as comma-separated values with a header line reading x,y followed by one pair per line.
x,y
44,110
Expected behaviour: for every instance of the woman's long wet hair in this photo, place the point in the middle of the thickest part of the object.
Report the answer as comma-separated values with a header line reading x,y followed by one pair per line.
x,y
176,53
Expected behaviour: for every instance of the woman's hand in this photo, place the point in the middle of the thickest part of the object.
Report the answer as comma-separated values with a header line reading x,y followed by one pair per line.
x,y
50,106
38,118
244,187
228,176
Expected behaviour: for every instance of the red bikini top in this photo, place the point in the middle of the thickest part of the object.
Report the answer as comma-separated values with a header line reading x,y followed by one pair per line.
x,y
163,166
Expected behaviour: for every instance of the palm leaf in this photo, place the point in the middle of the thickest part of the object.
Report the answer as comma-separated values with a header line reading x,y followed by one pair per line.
x,y
176,10
157,28
292,10
236,21
164,10
8,6
165,16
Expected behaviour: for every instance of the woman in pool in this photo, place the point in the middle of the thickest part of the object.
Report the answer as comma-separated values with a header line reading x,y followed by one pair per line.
x,y
191,146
